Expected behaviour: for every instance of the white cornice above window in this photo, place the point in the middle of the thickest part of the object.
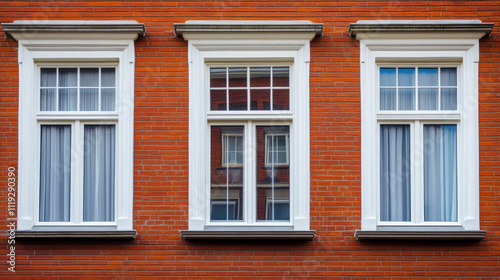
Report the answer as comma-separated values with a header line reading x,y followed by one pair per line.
x,y
74,29
193,29
413,29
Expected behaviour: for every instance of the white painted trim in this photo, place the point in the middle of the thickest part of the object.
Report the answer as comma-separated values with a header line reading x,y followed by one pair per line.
x,y
248,48
464,50
41,50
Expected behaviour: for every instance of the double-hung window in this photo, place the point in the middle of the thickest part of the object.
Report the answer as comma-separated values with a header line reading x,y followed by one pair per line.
x,y
249,128
75,127
419,114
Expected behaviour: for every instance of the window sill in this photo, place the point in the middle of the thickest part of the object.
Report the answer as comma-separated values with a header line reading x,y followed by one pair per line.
x,y
246,235
35,234
471,235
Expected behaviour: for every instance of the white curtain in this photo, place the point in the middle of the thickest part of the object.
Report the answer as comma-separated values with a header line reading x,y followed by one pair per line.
x,y
440,172
395,173
55,173
99,173
48,91
89,97
67,89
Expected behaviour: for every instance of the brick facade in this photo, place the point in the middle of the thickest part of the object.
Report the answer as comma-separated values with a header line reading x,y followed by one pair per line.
x,y
161,152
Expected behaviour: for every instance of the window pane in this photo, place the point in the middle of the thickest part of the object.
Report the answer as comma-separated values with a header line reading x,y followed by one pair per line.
x,y
48,99
108,99
428,98
99,173
226,180
108,77
281,76
218,77
395,173
448,77
448,99
261,99
428,77
406,77
440,173
89,99
68,77
48,77
237,99
55,173
281,99
67,100
406,99
387,99
237,77
273,173
218,100
387,77
89,77
260,77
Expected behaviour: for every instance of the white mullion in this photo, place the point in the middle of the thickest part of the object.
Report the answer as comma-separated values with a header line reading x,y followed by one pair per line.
x,y
99,90
248,89
57,89
77,89
249,172
417,86
227,89
271,89
439,89
417,173
397,89
226,150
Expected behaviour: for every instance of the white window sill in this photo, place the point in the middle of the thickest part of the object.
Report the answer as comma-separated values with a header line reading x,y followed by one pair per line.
x,y
246,235
46,234
470,235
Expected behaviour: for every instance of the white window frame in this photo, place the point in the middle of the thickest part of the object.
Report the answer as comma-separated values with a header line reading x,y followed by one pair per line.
x,y
206,49
455,49
75,49
287,150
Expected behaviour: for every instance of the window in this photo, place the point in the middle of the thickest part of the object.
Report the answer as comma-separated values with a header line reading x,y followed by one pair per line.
x,y
249,133
419,129
76,129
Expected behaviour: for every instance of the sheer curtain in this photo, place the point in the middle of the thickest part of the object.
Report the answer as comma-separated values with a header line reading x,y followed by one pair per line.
x,y
99,173
440,172
55,173
395,173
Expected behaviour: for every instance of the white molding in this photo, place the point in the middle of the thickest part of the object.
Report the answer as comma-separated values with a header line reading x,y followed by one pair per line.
x,y
40,50
383,48
206,48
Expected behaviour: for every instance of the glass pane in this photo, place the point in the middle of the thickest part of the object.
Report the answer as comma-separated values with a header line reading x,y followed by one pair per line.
x,y
99,173
406,99
261,99
237,77
217,77
67,100
395,173
55,173
440,173
48,99
89,99
428,98
387,77
406,77
448,99
260,77
237,99
387,99
281,77
68,77
48,77
89,77
428,77
281,99
448,77
108,99
273,173
218,100
226,181
108,77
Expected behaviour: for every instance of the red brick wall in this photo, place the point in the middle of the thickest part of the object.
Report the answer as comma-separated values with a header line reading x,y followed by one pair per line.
x,y
161,151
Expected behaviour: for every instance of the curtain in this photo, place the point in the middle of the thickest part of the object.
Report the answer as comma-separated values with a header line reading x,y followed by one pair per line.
x,y
89,97
68,92
55,173
395,176
48,91
440,172
99,173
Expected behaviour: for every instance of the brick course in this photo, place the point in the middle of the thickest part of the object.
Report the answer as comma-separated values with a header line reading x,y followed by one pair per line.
x,y
161,152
